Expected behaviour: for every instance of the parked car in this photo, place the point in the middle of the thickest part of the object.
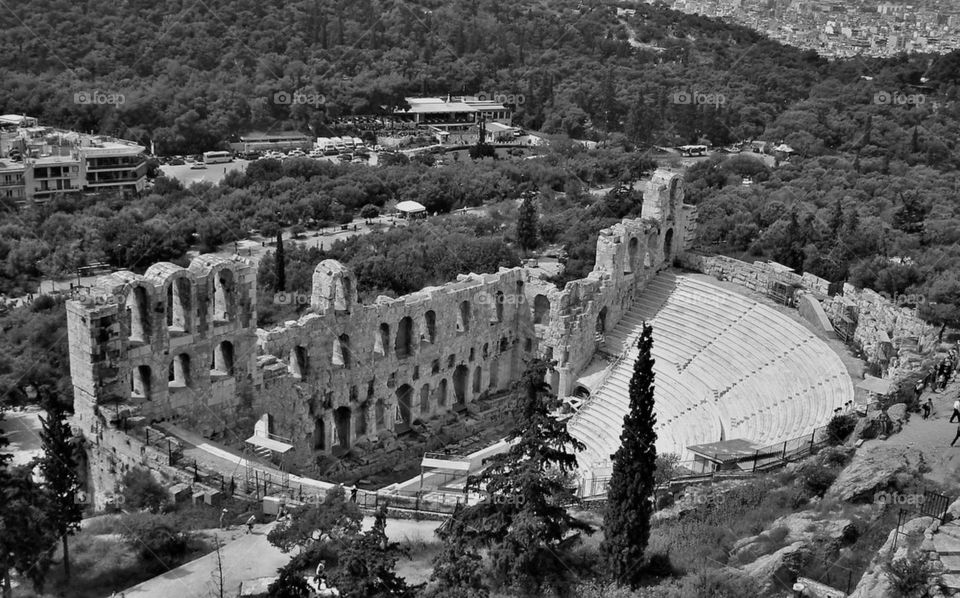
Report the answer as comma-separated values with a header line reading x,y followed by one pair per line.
x,y
177,161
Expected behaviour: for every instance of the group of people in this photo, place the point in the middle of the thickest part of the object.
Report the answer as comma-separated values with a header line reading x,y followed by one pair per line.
x,y
939,375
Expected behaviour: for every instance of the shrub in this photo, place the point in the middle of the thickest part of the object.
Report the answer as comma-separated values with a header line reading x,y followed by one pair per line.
x,y
153,537
142,491
840,427
817,479
908,574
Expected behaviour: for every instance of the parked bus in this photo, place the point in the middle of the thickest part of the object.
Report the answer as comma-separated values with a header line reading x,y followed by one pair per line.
x,y
217,157
693,150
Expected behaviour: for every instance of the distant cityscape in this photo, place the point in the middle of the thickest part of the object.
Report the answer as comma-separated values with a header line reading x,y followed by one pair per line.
x,y
843,28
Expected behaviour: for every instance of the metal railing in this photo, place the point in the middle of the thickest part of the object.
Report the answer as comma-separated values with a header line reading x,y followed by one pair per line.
x,y
763,459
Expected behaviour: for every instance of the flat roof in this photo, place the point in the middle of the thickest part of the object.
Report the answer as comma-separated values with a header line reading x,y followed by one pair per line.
x,y
270,444
259,136
440,108
7,165
725,450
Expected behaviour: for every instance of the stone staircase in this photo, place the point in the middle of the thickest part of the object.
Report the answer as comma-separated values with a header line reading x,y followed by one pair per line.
x,y
946,542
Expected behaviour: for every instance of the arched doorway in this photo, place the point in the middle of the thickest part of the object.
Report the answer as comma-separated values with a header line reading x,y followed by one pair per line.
x,y
632,249
541,309
442,393
668,246
341,423
404,341
425,401
477,375
319,435
223,359
404,400
602,321
460,384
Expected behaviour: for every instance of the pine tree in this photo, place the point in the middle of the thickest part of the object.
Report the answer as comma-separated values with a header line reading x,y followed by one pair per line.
x,y
59,465
280,264
527,220
366,566
25,536
458,568
626,522
525,518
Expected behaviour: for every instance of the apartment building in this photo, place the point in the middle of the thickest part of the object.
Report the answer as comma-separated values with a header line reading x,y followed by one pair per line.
x,y
38,163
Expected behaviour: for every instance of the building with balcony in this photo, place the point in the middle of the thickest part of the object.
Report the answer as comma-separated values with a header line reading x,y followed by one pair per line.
x,y
12,185
454,114
37,163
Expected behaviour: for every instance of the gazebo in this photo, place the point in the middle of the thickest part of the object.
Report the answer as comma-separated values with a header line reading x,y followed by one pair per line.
x,y
411,209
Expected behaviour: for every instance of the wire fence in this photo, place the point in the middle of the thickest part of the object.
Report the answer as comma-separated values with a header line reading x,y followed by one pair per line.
x,y
718,467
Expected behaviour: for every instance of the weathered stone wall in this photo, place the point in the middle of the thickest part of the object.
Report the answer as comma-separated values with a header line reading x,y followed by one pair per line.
x,y
350,372
175,343
890,335
629,254
182,344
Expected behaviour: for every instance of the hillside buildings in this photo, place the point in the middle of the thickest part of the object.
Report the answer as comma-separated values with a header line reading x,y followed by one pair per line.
x,y
843,28
38,163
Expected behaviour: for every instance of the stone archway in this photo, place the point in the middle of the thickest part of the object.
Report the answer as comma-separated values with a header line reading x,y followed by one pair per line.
x,y
668,246
460,384
404,411
341,423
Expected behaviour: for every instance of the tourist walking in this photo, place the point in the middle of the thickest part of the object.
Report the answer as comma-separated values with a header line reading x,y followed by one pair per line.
x,y
223,514
957,437
250,522
956,411
927,408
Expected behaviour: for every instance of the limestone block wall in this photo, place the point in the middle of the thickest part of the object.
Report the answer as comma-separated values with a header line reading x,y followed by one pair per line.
x,y
629,254
182,343
889,334
351,372
173,343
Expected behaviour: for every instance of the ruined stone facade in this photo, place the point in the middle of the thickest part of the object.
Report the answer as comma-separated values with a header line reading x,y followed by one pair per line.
x,y
182,344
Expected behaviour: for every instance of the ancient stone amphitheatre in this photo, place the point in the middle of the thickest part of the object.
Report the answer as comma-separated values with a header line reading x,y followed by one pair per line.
x,y
353,389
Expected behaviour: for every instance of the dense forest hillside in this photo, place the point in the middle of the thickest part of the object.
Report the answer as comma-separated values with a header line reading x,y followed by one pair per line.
x,y
194,74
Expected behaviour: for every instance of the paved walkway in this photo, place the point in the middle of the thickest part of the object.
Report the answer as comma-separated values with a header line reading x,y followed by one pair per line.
x,y
932,436
22,429
248,556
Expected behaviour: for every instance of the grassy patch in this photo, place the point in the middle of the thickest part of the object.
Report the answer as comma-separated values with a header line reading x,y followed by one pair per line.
x,y
103,563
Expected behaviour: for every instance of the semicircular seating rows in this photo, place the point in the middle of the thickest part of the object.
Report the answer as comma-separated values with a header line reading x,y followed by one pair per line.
x,y
727,367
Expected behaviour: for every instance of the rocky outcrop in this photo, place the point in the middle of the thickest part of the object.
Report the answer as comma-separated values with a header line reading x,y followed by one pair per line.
x,y
876,582
875,470
804,527
776,572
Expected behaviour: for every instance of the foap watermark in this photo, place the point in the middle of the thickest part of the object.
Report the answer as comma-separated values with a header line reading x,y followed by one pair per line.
x,y
485,298
904,299
700,498
102,498
698,98
99,98
290,98
499,498
897,98
290,298
513,99
896,498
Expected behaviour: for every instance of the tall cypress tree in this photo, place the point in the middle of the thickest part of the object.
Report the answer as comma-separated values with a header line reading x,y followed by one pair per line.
x,y
527,236
280,264
626,522
59,465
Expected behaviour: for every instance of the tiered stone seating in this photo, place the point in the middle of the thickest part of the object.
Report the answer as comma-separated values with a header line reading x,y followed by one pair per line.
x,y
726,367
